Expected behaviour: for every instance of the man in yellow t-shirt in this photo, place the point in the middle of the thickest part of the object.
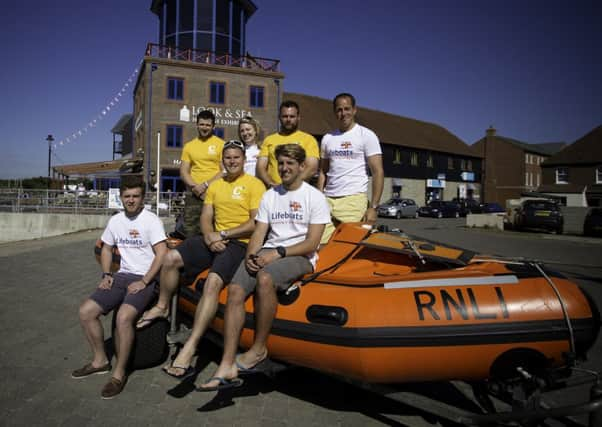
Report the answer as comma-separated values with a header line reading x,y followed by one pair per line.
x,y
227,222
267,165
201,165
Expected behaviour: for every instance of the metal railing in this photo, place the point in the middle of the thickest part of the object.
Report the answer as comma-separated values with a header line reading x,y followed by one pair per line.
x,y
209,57
80,201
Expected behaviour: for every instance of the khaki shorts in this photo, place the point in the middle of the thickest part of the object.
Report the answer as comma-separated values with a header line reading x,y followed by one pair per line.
x,y
284,271
344,209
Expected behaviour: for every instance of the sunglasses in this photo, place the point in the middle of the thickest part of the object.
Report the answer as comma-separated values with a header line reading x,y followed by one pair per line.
x,y
233,143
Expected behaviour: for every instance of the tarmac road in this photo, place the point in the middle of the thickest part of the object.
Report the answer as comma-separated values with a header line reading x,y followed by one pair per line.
x,y
44,281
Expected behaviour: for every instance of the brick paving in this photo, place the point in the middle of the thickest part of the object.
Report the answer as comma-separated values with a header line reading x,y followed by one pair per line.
x,y
43,283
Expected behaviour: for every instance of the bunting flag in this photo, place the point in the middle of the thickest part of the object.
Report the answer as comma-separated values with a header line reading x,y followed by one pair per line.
x,y
103,112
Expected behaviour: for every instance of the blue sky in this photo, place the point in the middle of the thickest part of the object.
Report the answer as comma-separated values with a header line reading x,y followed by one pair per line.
x,y
529,68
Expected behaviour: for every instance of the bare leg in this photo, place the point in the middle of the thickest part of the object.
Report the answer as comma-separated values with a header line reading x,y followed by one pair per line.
x,y
265,310
124,338
89,313
234,320
204,314
170,276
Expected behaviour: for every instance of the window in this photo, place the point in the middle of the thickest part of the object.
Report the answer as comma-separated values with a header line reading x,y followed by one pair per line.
x,y
429,161
463,164
414,158
469,165
562,176
256,97
219,132
538,179
450,163
218,93
526,178
174,136
175,88
599,175
397,158
527,159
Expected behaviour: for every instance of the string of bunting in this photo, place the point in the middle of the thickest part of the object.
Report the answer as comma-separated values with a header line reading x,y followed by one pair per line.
x,y
92,123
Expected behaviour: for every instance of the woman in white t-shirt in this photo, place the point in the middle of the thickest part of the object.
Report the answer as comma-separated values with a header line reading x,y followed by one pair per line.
x,y
248,132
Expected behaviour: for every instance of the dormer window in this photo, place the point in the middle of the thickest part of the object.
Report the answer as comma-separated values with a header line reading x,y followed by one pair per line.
x,y
562,176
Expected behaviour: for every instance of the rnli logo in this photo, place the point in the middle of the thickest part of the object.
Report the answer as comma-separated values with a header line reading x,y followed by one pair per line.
x,y
212,149
295,206
237,192
346,145
134,234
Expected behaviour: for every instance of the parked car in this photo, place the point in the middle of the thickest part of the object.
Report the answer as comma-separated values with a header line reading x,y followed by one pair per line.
x,y
592,226
492,208
468,206
440,209
542,214
398,208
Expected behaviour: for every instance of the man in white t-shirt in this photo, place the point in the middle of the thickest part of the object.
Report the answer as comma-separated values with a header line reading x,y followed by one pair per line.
x,y
140,237
343,177
292,216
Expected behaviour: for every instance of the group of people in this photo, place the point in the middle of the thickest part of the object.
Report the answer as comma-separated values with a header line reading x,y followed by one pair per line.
x,y
261,225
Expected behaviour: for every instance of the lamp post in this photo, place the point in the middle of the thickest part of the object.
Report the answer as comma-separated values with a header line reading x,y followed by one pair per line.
x,y
49,138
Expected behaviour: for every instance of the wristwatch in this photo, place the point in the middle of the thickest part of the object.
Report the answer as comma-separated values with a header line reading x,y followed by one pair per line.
x,y
107,274
281,251
223,234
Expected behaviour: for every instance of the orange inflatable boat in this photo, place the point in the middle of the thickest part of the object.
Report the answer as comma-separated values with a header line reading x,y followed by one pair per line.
x,y
382,308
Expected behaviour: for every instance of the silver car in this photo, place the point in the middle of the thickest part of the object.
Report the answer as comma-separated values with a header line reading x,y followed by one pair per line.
x,y
398,208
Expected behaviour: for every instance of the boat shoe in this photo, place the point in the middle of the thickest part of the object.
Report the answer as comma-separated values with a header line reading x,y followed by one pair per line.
x,y
88,370
112,388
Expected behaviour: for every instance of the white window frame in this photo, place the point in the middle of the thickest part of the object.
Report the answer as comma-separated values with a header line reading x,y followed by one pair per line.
x,y
565,173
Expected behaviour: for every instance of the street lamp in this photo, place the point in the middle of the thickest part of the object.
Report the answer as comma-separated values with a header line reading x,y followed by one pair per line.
x,y
49,138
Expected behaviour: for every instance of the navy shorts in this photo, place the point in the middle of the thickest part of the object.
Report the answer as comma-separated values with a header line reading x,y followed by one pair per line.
x,y
118,294
198,257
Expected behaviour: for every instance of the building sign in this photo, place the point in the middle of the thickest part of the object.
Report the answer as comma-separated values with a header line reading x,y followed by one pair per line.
x,y
441,176
114,200
224,116
435,183
467,176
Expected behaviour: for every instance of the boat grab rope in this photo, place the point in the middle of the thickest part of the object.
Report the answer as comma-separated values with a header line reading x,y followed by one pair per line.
x,y
562,305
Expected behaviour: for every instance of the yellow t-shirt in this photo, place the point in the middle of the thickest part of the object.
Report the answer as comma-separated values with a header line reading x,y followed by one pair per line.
x,y
205,157
272,141
232,201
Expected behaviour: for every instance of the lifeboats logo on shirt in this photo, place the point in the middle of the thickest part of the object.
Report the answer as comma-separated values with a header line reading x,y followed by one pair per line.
x,y
295,213
237,192
132,241
345,151
212,149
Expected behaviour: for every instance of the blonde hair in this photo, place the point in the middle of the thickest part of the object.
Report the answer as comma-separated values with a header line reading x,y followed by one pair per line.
x,y
251,121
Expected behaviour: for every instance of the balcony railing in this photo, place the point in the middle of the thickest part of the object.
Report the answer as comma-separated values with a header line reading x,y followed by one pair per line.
x,y
207,57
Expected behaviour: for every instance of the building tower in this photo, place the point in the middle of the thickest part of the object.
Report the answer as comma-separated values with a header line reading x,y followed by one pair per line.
x,y
200,62
209,25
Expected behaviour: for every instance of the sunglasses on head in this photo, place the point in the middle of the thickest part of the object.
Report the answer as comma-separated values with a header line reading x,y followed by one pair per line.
x,y
234,143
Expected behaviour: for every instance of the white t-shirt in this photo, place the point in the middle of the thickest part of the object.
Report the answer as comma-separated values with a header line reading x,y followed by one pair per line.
x,y
251,154
347,153
135,238
289,214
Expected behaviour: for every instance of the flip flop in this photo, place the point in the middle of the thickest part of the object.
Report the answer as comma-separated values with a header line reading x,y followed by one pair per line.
x,y
144,321
250,370
224,384
188,371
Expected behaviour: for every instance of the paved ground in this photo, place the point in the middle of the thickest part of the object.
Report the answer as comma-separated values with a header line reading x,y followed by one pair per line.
x,y
43,283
